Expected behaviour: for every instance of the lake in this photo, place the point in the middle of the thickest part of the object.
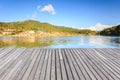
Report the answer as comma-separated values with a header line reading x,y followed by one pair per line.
x,y
61,42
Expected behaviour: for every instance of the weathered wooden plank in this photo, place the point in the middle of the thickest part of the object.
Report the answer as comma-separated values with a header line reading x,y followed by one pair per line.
x,y
13,70
95,67
71,65
76,65
6,51
35,65
9,58
110,58
59,64
58,67
53,68
111,53
115,69
26,65
48,70
62,66
101,68
26,75
67,66
91,68
26,54
82,58
40,66
7,72
4,69
43,70
2,50
102,63
82,64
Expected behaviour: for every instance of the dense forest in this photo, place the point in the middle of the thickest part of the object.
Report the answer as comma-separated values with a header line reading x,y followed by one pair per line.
x,y
21,26
113,31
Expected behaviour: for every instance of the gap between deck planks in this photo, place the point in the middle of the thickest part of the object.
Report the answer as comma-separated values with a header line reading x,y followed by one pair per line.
x,y
59,64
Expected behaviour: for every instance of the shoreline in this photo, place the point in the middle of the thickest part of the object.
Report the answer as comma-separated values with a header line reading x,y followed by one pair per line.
x,y
45,35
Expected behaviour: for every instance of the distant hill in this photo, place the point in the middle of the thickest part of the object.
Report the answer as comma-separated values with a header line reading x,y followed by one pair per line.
x,y
21,26
113,31
35,25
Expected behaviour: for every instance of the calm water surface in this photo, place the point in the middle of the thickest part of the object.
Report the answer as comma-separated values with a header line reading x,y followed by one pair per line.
x,y
62,42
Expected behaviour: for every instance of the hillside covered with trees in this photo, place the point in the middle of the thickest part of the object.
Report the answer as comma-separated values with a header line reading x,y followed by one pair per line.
x,y
33,27
113,31
14,28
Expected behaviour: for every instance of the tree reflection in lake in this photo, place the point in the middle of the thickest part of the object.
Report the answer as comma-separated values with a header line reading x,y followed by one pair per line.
x,y
26,41
62,42
116,40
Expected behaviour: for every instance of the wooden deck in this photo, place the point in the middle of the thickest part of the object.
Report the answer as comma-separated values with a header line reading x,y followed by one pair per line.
x,y
59,64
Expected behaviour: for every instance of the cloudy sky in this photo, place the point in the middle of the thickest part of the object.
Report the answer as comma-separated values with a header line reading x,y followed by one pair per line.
x,y
71,13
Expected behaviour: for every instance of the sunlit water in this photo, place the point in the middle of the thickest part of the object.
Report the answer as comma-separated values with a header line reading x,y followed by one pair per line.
x,y
62,42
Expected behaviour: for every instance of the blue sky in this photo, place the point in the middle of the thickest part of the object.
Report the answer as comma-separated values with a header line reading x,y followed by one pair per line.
x,y
71,13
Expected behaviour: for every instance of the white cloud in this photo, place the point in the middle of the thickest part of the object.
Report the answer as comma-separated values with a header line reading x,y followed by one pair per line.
x,y
99,27
83,28
48,8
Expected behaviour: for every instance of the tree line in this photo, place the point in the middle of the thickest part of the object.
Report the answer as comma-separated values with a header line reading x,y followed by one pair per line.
x,y
22,26
113,31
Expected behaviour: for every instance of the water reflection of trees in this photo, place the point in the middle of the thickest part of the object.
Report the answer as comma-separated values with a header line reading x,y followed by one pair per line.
x,y
27,42
6,43
116,40
61,40
111,41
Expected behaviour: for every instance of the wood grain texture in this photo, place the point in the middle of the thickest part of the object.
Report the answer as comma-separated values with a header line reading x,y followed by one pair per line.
x,y
59,64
